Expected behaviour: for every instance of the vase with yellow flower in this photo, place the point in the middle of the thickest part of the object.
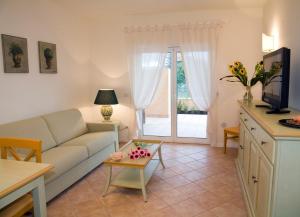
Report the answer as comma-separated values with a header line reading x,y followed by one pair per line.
x,y
239,74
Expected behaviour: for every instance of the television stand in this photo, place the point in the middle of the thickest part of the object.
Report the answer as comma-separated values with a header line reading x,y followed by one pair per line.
x,y
272,110
262,106
278,111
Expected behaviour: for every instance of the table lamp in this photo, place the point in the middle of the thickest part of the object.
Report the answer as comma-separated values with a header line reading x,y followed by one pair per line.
x,y
106,98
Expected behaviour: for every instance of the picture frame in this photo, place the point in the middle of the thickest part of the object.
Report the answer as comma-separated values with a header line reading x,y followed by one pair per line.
x,y
47,57
15,54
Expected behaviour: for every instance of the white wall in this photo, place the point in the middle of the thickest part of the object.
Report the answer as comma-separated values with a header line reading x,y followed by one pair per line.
x,y
27,95
281,19
240,40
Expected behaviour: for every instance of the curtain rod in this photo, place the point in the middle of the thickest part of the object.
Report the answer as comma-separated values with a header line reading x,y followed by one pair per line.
x,y
213,23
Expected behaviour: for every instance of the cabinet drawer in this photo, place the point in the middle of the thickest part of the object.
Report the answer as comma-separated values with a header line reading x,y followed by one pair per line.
x,y
245,118
242,115
250,124
267,144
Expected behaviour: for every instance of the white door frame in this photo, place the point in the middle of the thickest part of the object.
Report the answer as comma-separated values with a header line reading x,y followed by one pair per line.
x,y
173,137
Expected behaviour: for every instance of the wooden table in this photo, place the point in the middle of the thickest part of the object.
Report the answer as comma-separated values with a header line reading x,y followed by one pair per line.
x,y
17,178
136,173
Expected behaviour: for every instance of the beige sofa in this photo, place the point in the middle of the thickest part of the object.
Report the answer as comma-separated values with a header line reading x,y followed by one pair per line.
x,y
71,145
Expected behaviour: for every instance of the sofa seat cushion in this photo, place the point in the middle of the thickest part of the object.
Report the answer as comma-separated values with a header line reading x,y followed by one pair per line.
x,y
94,142
65,125
63,159
33,128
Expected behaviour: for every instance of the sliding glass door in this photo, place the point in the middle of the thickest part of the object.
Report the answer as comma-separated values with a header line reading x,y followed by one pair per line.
x,y
172,113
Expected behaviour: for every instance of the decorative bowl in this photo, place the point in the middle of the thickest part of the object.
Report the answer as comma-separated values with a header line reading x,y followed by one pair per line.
x,y
116,156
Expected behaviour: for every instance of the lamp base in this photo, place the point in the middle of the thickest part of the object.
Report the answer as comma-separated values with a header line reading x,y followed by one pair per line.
x,y
106,112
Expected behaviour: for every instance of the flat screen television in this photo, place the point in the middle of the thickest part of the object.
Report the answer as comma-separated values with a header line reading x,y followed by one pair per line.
x,y
276,87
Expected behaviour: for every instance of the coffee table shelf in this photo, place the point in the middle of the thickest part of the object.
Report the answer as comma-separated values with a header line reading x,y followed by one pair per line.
x,y
130,177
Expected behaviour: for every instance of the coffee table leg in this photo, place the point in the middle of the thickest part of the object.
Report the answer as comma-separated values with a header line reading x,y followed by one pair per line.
x,y
108,180
160,157
142,178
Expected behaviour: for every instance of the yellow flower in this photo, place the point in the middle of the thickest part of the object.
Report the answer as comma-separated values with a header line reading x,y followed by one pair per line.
x,y
231,67
237,63
243,71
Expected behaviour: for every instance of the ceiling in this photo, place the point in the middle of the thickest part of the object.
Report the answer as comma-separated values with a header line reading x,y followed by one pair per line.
x,y
94,8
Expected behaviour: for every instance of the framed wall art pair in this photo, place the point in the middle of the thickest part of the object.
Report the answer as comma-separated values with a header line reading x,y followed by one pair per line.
x,y
15,55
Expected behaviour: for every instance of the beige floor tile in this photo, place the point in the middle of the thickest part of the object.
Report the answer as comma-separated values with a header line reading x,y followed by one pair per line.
x,y
177,181
229,210
165,173
171,197
208,200
90,208
181,168
188,208
193,175
165,212
185,159
206,214
190,190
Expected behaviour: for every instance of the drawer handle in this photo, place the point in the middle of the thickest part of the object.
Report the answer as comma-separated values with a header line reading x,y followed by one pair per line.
x,y
253,128
245,119
263,142
241,147
254,179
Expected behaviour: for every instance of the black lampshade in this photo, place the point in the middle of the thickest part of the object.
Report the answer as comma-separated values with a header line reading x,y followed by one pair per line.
x,y
106,97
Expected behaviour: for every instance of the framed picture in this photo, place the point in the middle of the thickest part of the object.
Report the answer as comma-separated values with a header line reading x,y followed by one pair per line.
x,y
47,56
15,54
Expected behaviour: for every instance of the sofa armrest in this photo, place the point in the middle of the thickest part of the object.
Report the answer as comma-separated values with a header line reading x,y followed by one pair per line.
x,y
99,127
102,127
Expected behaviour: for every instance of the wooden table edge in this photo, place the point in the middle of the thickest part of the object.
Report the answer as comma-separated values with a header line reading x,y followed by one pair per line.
x,y
25,181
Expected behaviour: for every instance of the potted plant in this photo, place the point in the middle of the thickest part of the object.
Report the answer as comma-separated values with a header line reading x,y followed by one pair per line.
x,y
48,54
16,52
239,73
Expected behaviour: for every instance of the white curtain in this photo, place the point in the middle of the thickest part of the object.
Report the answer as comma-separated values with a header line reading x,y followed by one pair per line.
x,y
147,49
198,44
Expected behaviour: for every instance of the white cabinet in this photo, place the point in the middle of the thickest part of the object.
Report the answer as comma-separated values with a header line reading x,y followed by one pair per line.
x,y
268,164
255,168
264,184
241,147
253,174
246,150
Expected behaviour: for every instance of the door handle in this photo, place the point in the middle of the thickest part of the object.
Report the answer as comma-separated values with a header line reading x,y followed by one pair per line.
x,y
241,147
252,128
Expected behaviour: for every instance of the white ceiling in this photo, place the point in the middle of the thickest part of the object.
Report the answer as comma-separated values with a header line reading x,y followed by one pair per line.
x,y
94,8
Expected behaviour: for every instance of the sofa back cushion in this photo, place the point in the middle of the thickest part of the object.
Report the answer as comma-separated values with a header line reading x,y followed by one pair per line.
x,y
34,128
66,125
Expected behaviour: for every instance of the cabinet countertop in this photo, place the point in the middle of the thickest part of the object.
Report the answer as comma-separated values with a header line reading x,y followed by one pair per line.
x,y
270,121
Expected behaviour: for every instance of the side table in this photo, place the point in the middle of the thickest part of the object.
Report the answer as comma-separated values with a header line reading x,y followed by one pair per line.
x,y
116,125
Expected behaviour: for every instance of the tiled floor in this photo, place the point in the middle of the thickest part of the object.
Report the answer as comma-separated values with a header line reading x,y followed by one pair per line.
x,y
199,181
